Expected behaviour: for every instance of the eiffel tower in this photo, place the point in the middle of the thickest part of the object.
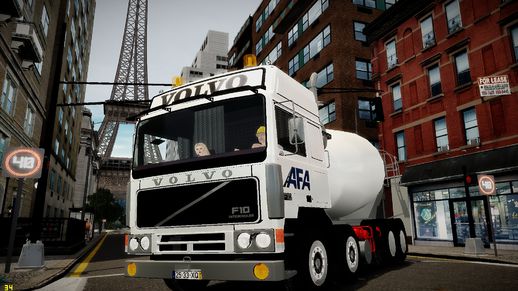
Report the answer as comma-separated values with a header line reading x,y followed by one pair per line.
x,y
129,85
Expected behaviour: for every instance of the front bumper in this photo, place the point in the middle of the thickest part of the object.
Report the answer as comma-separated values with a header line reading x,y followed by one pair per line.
x,y
211,270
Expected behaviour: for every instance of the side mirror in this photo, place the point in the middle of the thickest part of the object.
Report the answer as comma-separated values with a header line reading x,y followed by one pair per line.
x,y
296,130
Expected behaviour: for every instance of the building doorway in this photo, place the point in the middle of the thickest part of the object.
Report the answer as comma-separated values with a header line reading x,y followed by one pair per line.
x,y
469,219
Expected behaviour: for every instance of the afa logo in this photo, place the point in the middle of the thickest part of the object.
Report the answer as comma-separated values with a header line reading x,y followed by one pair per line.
x,y
298,178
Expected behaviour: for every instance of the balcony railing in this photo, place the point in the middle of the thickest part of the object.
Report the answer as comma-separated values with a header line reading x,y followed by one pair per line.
x,y
27,44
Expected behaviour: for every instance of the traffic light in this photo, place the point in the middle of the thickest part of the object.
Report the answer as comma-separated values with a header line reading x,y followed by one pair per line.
x,y
471,180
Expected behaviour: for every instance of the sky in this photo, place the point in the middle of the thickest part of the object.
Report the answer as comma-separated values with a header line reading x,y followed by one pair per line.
x,y
176,30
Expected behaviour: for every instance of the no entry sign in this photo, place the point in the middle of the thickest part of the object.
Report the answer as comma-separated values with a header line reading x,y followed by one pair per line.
x,y
23,162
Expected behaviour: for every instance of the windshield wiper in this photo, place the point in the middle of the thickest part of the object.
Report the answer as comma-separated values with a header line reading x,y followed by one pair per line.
x,y
179,211
209,97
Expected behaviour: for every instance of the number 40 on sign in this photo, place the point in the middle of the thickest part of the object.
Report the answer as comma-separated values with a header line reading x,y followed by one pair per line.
x,y
23,162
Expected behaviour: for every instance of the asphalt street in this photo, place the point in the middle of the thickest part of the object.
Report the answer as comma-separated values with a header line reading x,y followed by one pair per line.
x,y
105,271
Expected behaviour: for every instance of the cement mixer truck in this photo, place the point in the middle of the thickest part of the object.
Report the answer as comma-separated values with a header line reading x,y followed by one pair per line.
x,y
234,178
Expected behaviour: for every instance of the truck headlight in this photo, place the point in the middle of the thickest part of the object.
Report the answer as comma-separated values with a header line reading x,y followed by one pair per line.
x,y
263,240
144,243
243,240
133,244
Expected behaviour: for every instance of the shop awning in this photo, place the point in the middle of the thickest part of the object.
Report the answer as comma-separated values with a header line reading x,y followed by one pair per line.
x,y
489,162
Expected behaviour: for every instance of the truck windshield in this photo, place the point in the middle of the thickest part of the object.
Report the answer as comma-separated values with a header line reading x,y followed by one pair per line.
x,y
201,134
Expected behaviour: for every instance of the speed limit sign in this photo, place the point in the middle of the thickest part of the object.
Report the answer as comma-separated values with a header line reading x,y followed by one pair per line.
x,y
486,184
22,162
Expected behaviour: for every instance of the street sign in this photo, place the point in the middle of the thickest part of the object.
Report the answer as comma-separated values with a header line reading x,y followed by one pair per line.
x,y
22,162
486,184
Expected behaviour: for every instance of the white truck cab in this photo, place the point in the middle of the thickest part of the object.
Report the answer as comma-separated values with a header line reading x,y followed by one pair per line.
x,y
230,182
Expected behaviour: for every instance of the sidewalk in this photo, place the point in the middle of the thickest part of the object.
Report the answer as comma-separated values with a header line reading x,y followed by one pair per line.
x,y
55,266
504,256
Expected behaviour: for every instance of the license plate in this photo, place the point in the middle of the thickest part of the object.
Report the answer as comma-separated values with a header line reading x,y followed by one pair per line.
x,y
188,275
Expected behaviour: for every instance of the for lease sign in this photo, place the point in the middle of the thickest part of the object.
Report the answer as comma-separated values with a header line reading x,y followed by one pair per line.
x,y
494,86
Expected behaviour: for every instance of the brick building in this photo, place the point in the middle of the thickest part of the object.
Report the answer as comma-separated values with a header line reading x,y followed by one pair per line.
x,y
427,58
42,43
323,36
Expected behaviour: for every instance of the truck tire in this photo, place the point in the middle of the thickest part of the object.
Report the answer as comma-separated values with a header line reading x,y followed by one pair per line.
x,y
313,268
386,245
186,285
402,246
351,254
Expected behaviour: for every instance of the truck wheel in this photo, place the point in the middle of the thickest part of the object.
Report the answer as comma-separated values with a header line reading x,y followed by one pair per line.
x,y
352,254
313,269
386,246
392,245
402,246
186,285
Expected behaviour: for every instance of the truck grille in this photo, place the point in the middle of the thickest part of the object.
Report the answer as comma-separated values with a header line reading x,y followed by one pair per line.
x,y
192,242
223,202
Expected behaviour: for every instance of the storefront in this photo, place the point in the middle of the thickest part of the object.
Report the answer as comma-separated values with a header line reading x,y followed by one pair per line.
x,y
444,209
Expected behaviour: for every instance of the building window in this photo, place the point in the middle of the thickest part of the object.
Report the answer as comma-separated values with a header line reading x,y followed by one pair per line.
x,y
60,116
69,58
259,23
432,218
264,15
320,41
325,76
366,109
327,113
366,3
441,134
293,34
514,36
293,65
3,147
363,70
453,16
52,178
397,101
462,68
265,39
59,185
358,31
306,20
28,124
400,144
391,54
45,20
305,54
223,67
221,58
427,32
471,126
273,55
8,94
434,78
389,3
56,146
309,51
66,128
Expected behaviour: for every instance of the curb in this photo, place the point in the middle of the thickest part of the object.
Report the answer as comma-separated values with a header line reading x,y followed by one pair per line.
x,y
70,266
462,258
